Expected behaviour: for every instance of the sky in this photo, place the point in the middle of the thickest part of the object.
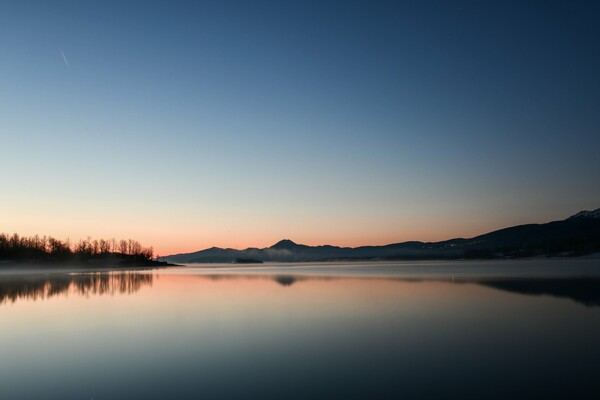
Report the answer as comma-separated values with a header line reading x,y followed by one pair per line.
x,y
187,125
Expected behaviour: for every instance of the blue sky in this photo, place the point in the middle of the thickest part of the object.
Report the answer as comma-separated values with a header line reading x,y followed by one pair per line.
x,y
192,124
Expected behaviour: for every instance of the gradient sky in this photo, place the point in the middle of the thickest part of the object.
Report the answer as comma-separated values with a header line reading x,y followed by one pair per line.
x,y
237,124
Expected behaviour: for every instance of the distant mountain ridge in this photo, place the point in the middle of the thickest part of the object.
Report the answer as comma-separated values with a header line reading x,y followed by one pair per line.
x,y
576,235
586,214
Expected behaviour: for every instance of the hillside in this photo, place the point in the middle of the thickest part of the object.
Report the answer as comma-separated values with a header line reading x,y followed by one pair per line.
x,y
576,235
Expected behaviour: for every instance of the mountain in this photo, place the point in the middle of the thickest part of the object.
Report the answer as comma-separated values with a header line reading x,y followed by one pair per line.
x,y
576,235
286,244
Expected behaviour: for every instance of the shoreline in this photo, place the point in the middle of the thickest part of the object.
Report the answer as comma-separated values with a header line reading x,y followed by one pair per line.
x,y
593,256
33,268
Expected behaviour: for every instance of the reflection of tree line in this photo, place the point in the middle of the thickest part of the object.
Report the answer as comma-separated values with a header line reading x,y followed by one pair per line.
x,y
44,287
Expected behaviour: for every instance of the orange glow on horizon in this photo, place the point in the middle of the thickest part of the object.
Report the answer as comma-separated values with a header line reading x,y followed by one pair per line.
x,y
172,234
201,242
188,242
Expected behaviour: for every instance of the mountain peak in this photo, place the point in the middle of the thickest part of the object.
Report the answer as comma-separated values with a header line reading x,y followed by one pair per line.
x,y
587,214
284,244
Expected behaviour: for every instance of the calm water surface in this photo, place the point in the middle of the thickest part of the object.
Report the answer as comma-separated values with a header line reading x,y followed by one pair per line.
x,y
512,329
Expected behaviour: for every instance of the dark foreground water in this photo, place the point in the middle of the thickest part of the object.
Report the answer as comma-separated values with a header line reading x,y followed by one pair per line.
x,y
518,329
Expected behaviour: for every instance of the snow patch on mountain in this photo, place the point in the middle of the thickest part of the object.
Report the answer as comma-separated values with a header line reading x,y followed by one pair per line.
x,y
587,214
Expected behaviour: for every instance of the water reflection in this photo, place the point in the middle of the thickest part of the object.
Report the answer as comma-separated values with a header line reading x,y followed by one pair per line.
x,y
39,287
212,333
582,290
585,291
285,280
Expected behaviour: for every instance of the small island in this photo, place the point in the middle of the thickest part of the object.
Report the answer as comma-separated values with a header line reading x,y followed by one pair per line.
x,y
247,261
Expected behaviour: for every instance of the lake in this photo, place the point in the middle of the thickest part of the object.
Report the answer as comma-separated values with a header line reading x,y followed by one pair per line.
x,y
497,329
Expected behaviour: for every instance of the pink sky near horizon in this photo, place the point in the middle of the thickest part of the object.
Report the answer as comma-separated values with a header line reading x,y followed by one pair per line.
x,y
170,235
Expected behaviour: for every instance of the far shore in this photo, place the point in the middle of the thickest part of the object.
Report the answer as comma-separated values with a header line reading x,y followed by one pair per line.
x,y
593,256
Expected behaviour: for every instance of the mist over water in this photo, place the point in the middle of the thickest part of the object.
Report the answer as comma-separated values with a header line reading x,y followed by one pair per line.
x,y
518,329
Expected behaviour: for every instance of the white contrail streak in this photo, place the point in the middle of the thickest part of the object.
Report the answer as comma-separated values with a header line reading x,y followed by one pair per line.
x,y
65,59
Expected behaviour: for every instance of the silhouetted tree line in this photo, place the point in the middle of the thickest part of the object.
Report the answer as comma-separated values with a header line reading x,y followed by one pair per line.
x,y
46,248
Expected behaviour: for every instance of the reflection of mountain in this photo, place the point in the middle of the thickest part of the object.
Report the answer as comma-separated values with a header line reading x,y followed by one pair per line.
x,y
285,280
46,286
579,234
582,290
